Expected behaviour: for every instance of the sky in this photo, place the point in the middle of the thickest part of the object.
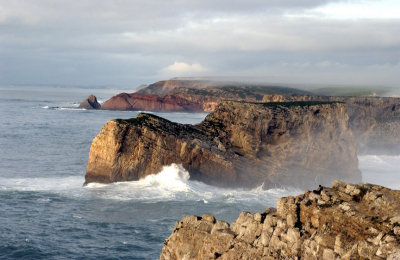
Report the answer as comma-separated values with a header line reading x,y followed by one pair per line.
x,y
129,43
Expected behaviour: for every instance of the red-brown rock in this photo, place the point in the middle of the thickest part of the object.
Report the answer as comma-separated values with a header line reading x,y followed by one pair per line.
x,y
142,102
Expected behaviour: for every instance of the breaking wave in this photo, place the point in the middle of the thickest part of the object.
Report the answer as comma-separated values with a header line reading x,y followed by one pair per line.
x,y
173,183
63,108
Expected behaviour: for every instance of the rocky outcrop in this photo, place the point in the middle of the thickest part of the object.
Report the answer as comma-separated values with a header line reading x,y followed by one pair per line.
x,y
90,103
191,95
375,121
142,102
239,144
343,222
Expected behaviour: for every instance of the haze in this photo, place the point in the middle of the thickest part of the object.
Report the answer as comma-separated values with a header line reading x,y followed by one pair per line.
x,y
128,43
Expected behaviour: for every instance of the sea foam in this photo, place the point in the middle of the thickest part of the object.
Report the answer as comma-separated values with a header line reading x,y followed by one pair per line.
x,y
173,183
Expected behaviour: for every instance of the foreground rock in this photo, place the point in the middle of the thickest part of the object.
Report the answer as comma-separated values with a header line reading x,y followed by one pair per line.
x,y
375,121
343,222
90,103
239,144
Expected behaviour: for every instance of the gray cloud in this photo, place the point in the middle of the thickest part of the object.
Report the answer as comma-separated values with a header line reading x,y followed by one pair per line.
x,y
128,43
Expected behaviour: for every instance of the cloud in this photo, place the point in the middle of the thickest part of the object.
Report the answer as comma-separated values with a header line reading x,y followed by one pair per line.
x,y
182,69
127,42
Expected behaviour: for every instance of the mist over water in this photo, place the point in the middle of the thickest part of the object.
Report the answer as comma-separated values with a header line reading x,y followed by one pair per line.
x,y
46,213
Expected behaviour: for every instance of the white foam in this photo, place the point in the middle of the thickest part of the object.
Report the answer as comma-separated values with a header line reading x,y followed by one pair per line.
x,y
42,183
173,183
72,106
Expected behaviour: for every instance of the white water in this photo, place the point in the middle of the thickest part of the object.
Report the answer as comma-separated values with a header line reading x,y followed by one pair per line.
x,y
173,184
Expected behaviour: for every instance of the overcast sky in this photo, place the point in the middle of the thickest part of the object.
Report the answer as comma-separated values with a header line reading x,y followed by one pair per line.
x,y
128,43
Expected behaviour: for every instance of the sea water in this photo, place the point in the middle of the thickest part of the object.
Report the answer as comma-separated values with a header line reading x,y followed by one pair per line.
x,y
46,213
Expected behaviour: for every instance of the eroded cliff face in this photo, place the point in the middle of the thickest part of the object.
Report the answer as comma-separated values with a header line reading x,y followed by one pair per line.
x,y
239,144
343,222
142,102
191,95
375,121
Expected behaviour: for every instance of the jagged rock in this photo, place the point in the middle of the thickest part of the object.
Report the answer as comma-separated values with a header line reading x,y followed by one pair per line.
x,y
239,144
90,103
363,229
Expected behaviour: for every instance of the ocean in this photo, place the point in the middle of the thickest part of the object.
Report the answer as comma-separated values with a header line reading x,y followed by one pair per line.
x,y
46,213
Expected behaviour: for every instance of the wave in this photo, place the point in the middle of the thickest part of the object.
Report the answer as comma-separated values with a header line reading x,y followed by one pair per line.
x,y
173,183
63,108
42,183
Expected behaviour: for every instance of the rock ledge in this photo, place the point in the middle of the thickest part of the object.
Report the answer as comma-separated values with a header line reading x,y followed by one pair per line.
x,y
343,222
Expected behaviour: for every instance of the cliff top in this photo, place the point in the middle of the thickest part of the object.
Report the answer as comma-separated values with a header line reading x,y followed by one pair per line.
x,y
216,88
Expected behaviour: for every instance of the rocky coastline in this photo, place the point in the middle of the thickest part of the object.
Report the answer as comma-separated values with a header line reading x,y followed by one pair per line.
x,y
346,221
240,144
375,121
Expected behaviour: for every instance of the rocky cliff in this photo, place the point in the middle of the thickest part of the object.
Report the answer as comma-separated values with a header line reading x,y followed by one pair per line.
x,y
343,222
191,95
90,103
142,102
375,121
167,87
239,144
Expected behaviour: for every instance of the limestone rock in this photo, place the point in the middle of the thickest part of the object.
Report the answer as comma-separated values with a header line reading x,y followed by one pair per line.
x,y
239,144
90,103
339,234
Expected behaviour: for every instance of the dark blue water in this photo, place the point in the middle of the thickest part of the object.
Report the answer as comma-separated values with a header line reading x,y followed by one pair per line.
x,y
45,213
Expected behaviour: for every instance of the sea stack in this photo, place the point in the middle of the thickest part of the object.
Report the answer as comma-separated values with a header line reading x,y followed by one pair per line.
x,y
90,103
240,144
343,222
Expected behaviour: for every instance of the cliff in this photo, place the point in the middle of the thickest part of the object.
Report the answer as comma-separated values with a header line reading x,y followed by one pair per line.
x,y
239,144
191,95
90,103
142,102
343,222
167,87
375,121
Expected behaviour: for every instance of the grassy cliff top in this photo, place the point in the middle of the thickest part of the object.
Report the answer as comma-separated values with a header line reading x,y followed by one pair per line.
x,y
139,119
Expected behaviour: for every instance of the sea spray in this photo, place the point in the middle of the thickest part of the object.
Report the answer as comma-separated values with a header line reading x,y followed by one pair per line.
x,y
173,183
381,170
